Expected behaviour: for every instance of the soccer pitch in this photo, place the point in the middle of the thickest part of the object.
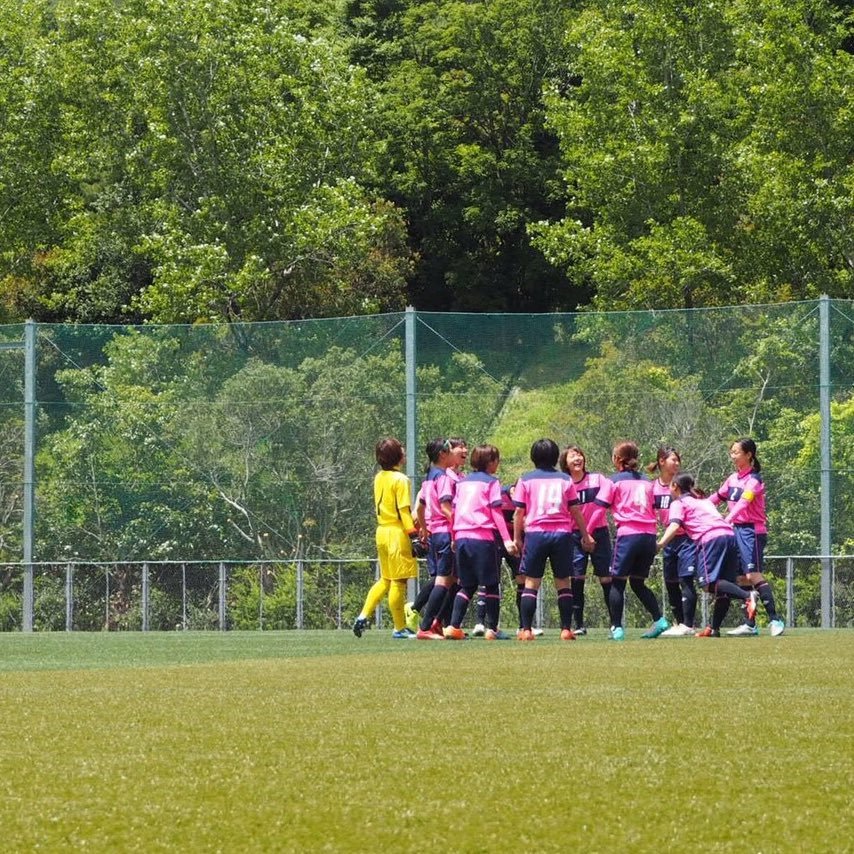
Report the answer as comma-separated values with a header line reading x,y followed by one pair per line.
x,y
309,741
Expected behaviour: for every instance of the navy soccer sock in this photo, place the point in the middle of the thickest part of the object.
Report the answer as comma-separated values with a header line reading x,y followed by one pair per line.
x,y
461,605
766,594
529,607
674,597
492,607
564,607
689,601
433,607
616,600
578,601
423,595
647,597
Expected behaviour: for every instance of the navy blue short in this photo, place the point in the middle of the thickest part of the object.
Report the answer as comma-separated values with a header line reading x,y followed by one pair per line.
x,y
717,560
751,548
679,558
440,555
633,555
477,563
556,547
600,557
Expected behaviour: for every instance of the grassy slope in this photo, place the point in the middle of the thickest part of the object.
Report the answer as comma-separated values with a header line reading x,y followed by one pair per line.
x,y
305,741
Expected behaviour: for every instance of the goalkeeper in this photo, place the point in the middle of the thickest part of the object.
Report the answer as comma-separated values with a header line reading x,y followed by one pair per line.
x,y
396,538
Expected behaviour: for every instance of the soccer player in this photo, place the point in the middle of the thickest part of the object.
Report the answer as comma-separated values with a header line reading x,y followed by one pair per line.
x,y
744,492
475,506
436,610
395,532
513,561
546,505
678,556
717,551
594,493
434,526
634,550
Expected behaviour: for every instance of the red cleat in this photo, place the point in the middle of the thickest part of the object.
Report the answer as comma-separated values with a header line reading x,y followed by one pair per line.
x,y
567,634
453,633
426,634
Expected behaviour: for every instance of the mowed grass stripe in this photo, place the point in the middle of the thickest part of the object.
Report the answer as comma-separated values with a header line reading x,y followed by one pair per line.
x,y
292,742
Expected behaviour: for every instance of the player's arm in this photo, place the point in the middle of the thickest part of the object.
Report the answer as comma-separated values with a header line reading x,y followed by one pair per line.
x,y
587,541
669,534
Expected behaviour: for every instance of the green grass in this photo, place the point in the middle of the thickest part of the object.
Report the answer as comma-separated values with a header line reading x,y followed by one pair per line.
x,y
319,741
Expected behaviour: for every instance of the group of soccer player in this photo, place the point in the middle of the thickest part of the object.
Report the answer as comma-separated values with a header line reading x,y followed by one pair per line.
x,y
557,515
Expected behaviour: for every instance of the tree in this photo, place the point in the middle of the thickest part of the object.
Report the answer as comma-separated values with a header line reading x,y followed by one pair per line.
x,y
707,153
205,164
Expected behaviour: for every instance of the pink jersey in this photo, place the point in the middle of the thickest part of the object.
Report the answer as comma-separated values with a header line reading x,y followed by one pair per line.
x,y
661,500
744,492
700,518
594,495
477,508
435,520
546,496
632,503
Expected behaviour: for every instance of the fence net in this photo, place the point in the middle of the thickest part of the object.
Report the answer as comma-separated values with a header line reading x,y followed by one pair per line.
x,y
255,442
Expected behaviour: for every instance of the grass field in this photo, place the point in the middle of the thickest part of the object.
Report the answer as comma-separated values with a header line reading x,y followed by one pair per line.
x,y
319,741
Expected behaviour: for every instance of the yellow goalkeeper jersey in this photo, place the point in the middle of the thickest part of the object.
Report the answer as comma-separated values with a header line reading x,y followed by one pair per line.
x,y
392,499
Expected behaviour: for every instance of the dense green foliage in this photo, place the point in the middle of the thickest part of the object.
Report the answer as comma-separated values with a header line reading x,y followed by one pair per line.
x,y
270,159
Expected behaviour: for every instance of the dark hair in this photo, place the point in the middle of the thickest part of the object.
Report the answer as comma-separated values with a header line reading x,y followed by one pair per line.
x,y
749,447
434,449
686,484
455,442
482,456
389,453
564,466
663,452
544,454
625,456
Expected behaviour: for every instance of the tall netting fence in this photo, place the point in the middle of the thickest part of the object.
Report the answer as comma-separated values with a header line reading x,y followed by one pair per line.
x,y
252,445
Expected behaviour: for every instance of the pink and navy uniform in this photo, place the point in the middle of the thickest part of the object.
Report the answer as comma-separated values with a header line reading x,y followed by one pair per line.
x,y
546,496
717,553
744,492
594,492
679,555
440,556
634,514
477,517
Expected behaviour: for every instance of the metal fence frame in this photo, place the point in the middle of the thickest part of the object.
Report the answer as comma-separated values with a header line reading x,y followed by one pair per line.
x,y
302,568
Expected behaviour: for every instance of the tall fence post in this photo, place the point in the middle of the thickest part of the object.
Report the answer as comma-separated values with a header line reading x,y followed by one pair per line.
x,y
340,596
146,595
300,592
790,591
184,597
69,597
411,354
825,455
29,507
223,582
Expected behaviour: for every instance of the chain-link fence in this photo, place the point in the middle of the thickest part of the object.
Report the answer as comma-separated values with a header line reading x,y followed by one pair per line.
x,y
254,442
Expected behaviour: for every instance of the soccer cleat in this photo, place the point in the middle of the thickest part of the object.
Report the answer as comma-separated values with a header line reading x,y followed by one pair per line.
x,y
750,604
567,634
496,634
538,633
426,634
777,628
658,627
402,634
525,635
617,633
743,631
708,632
411,617
436,627
454,633
580,632
678,631
359,626
478,631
